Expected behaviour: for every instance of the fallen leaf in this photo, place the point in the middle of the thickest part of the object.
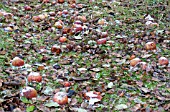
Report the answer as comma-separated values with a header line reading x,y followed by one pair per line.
x,y
146,90
121,107
52,104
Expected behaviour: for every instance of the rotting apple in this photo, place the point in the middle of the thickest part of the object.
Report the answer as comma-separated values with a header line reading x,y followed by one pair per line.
x,y
56,49
34,77
17,62
29,92
134,61
61,98
150,46
163,61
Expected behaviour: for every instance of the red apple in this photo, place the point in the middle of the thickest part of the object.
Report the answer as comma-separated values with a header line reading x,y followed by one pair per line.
x,y
101,41
34,77
150,46
27,8
61,98
61,1
77,27
67,84
46,1
62,39
17,62
163,61
29,92
135,61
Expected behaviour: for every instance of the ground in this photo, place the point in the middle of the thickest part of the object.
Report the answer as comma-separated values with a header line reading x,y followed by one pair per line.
x,y
86,49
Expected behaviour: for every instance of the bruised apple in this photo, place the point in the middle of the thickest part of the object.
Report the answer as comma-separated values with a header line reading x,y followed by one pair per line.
x,y
34,77
17,62
134,61
61,98
163,61
150,46
29,92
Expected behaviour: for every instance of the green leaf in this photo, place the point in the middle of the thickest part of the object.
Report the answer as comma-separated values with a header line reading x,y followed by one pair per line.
x,y
52,104
25,100
30,109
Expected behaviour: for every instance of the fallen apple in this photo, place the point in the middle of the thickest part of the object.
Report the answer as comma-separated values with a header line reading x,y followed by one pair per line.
x,y
62,39
34,77
143,65
61,98
101,21
61,1
67,84
58,25
27,8
134,61
150,46
163,61
56,49
101,41
29,92
17,62
36,18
